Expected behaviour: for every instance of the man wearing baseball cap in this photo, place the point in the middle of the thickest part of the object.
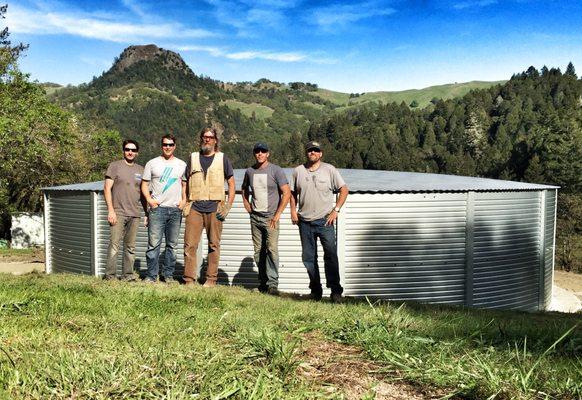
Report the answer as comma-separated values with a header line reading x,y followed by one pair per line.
x,y
313,187
268,186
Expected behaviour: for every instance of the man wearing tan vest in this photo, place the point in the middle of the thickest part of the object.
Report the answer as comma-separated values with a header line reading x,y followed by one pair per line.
x,y
207,170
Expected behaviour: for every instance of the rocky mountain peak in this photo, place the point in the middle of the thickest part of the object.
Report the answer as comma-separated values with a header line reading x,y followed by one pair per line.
x,y
149,52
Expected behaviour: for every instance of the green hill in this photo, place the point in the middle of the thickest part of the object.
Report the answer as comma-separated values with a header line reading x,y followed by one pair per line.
x,y
422,96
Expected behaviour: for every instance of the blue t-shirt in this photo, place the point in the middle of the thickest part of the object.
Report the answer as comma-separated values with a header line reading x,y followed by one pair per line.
x,y
264,184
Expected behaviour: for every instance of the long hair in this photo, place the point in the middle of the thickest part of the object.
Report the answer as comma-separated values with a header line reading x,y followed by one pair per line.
x,y
214,132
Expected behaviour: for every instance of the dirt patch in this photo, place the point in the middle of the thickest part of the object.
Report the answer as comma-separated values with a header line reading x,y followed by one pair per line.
x,y
35,255
345,368
20,268
569,281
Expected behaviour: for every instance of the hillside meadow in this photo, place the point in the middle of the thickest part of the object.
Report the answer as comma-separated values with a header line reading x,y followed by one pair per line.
x,y
64,336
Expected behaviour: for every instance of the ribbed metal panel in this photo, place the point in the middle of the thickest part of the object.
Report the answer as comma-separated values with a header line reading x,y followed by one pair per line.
x,y
236,258
70,232
549,250
140,265
483,249
405,246
506,250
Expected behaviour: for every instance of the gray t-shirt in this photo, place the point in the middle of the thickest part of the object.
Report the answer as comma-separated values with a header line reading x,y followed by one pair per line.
x,y
315,190
125,192
264,184
165,177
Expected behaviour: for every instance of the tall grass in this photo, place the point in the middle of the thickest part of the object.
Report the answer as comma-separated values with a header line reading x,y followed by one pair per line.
x,y
78,337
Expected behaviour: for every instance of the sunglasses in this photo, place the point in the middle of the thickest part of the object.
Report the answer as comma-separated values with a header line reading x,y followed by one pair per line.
x,y
168,144
313,150
257,151
129,149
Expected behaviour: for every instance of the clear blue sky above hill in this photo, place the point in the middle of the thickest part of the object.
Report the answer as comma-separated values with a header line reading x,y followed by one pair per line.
x,y
355,46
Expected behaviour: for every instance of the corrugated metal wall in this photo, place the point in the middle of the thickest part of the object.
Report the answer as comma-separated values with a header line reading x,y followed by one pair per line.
x,y
70,232
506,250
406,246
141,244
549,245
490,250
236,258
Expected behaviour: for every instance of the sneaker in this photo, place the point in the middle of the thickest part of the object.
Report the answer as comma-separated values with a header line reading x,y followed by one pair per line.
x,y
273,291
128,278
209,284
149,279
315,296
169,280
336,298
109,277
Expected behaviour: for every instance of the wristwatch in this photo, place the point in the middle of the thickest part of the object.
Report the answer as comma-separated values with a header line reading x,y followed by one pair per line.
x,y
336,209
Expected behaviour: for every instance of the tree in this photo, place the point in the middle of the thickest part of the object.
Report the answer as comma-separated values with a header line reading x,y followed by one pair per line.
x,y
570,71
8,54
41,145
414,104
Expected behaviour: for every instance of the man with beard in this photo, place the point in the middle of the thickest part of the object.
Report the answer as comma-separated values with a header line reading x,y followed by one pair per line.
x,y
313,186
122,196
206,171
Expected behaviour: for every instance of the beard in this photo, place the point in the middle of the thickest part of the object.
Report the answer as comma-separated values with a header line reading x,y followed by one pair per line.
x,y
206,149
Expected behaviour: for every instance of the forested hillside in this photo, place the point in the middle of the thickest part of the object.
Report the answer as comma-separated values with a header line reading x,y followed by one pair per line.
x,y
528,128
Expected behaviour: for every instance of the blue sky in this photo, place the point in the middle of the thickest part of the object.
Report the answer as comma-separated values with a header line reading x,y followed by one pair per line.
x,y
355,46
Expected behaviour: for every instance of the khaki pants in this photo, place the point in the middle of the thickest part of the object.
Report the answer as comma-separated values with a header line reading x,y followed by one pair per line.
x,y
126,229
195,221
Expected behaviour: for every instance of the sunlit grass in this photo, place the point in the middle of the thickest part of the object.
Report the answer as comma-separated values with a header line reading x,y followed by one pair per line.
x,y
78,337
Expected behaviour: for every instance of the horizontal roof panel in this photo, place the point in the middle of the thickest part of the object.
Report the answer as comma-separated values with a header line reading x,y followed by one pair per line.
x,y
363,181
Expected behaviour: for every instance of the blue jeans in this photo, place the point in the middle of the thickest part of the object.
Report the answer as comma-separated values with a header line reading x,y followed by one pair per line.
x,y
162,221
309,231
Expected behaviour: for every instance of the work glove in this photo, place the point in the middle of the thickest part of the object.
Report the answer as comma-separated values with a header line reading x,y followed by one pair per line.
x,y
222,212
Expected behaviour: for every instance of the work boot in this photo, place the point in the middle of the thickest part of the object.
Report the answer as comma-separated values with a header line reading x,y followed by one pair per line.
x,y
336,298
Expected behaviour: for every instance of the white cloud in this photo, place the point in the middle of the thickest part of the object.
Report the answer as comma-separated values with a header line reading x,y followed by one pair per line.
x,y
282,57
95,62
250,16
339,16
473,4
285,57
213,51
21,20
134,7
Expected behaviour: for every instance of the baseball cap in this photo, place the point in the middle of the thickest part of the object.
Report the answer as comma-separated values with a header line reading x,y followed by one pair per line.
x,y
313,145
261,146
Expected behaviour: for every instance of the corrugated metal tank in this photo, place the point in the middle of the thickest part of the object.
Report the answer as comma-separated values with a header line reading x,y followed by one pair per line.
x,y
401,236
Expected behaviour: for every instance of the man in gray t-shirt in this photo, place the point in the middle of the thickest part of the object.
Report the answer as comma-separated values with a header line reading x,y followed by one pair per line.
x,y
124,208
313,187
270,192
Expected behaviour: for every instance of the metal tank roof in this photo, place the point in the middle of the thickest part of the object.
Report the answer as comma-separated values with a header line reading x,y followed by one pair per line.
x,y
364,181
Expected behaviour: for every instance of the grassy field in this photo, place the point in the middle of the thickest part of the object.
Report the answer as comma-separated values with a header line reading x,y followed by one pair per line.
x,y
79,337
422,96
261,111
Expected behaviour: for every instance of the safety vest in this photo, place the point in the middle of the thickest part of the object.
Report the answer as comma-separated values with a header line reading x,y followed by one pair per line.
x,y
209,187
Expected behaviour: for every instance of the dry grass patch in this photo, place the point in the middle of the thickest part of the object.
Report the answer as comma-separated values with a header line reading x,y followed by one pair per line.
x,y
344,368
